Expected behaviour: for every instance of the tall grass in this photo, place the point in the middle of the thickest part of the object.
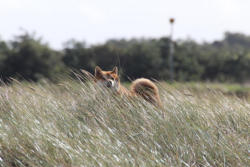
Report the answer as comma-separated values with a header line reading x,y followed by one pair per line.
x,y
79,124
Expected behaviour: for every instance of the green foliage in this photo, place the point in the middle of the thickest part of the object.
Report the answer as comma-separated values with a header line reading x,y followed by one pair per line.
x,y
187,63
225,60
77,56
4,52
26,57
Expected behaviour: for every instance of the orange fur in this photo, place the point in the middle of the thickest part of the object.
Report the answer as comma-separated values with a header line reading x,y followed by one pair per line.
x,y
140,87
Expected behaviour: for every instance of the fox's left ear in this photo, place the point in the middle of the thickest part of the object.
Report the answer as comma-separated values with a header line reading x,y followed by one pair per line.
x,y
115,70
98,71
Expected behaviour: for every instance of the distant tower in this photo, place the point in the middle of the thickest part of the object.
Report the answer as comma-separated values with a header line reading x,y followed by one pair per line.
x,y
171,48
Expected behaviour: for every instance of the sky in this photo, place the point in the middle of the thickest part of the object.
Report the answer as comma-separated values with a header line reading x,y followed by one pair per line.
x,y
95,21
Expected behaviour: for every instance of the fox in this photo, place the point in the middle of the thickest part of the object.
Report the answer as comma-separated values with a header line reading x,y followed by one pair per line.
x,y
141,87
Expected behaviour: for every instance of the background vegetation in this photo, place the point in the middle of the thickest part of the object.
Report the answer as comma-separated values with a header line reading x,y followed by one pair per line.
x,y
27,57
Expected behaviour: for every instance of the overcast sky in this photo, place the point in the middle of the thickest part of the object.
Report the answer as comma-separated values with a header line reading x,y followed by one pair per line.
x,y
95,21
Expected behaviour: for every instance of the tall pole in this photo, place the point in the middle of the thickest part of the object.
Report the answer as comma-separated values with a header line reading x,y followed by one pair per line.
x,y
171,48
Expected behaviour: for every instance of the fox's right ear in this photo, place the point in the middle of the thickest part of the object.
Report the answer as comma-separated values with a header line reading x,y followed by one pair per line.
x,y
98,71
115,70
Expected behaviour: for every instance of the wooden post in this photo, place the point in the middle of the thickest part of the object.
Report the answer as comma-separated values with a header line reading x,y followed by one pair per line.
x,y
171,48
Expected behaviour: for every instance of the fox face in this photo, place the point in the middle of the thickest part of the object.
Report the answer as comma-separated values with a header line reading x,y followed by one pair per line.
x,y
108,79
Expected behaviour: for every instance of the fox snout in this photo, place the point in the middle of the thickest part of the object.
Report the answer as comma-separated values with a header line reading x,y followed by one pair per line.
x,y
110,83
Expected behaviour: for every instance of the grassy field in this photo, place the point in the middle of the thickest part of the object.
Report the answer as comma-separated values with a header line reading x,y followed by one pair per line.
x,y
73,124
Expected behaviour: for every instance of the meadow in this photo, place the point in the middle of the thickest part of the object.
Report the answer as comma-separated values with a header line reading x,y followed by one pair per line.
x,y
74,123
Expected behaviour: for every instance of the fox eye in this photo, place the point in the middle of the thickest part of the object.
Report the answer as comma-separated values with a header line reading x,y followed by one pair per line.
x,y
110,77
102,77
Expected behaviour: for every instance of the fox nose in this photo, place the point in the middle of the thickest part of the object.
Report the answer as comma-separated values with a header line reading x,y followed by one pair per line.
x,y
109,84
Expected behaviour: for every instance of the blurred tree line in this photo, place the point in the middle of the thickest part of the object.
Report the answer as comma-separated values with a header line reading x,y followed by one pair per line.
x,y
27,57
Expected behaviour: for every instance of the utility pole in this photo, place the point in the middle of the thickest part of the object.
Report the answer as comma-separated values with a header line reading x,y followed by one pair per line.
x,y
171,50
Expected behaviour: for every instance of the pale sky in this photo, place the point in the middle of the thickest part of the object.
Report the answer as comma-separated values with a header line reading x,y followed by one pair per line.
x,y
95,21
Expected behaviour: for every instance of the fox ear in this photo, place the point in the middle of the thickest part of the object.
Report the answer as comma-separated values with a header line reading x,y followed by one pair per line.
x,y
98,71
115,70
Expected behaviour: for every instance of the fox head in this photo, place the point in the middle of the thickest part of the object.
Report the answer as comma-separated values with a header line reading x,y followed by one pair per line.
x,y
109,79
